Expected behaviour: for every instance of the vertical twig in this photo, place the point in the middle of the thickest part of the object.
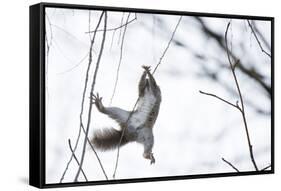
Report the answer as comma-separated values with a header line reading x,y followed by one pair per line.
x,y
91,92
232,67
257,39
49,43
89,25
120,60
72,152
120,32
242,108
83,99
123,131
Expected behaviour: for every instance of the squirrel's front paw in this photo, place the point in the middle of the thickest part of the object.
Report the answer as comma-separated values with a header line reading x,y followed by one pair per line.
x,y
97,100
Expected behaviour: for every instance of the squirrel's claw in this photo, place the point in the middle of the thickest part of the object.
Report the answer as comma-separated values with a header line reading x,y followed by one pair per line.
x,y
152,159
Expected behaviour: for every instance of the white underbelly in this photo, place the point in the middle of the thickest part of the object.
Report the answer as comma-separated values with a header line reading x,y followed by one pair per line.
x,y
145,106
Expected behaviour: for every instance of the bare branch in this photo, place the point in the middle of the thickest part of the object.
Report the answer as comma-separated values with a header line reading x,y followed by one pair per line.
x,y
89,24
123,132
75,66
81,126
69,34
250,72
241,100
167,47
49,43
120,60
112,38
122,135
72,152
257,39
116,28
96,154
225,101
91,92
260,35
120,31
229,163
265,168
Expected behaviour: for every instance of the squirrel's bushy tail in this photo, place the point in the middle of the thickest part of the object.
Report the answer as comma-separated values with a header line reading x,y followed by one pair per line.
x,y
108,139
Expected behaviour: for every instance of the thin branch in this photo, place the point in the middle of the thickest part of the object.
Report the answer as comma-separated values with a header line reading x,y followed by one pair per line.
x,y
72,152
265,42
265,168
91,92
130,115
251,73
83,100
49,43
75,66
112,38
121,138
120,60
96,154
89,24
116,28
241,100
257,39
229,163
167,47
69,34
120,31
225,101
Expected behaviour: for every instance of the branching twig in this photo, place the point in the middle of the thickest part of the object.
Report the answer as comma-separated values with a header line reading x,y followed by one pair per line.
x,y
241,109
241,100
250,72
257,39
116,28
72,152
225,101
83,100
91,92
120,60
167,47
123,131
229,163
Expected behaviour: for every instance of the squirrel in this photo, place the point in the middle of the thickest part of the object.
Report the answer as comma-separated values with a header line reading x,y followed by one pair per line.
x,y
137,124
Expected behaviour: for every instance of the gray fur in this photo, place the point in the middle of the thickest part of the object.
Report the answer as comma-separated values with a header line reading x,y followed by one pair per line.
x,y
139,127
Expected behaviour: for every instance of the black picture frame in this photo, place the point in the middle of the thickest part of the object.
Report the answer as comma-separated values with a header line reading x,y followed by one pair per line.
x,y
37,171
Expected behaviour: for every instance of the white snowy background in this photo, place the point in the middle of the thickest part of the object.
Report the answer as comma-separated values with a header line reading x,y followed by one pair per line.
x,y
193,131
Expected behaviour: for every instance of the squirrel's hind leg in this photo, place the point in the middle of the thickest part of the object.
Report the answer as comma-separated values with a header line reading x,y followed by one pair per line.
x,y
145,137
